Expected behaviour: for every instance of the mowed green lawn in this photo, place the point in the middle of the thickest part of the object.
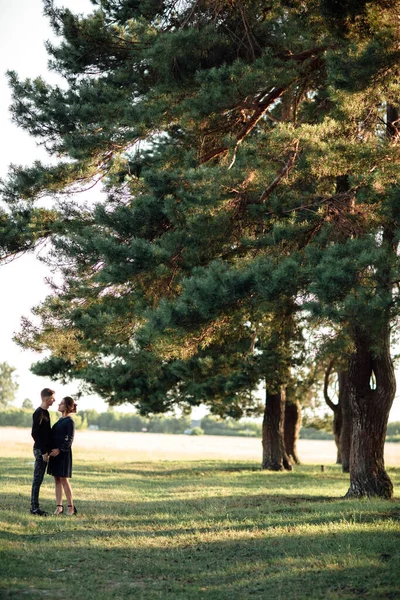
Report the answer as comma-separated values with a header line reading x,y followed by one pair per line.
x,y
188,529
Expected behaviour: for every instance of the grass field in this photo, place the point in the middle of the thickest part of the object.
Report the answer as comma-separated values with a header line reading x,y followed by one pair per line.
x,y
212,529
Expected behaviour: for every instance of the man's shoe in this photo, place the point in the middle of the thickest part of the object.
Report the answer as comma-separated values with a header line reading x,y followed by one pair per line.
x,y
38,512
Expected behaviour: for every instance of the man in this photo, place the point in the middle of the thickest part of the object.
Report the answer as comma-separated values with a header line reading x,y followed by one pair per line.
x,y
41,433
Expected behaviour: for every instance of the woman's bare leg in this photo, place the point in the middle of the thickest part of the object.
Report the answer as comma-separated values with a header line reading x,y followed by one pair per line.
x,y
68,493
57,481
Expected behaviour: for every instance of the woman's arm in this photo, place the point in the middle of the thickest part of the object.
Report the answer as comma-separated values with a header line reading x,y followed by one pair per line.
x,y
68,436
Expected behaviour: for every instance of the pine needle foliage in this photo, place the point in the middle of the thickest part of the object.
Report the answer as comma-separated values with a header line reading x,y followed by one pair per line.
x,y
249,154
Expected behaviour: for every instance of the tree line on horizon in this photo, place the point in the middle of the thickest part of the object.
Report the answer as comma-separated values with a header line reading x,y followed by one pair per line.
x,y
248,227
208,425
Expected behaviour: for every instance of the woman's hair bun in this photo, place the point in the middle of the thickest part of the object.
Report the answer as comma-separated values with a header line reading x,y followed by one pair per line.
x,y
70,405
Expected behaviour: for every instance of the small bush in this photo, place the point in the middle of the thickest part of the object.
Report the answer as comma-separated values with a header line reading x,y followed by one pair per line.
x,y
310,433
197,431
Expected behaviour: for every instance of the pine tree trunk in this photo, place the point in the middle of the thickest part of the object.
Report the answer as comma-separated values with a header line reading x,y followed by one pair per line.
x,y
370,411
345,431
292,427
337,430
336,409
274,454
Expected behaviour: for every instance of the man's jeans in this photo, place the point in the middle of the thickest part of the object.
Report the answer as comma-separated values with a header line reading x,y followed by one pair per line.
x,y
38,474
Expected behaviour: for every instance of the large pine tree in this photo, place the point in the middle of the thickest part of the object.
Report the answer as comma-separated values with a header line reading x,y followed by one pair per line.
x,y
250,156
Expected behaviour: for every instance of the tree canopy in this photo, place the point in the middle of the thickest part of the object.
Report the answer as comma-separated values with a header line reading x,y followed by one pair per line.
x,y
249,155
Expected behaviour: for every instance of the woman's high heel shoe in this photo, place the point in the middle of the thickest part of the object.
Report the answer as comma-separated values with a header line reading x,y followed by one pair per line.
x,y
75,511
59,512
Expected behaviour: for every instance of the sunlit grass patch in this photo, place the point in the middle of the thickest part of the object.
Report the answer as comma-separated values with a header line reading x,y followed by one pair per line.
x,y
216,530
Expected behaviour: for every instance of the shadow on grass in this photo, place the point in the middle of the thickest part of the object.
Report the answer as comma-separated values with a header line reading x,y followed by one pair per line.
x,y
169,518
351,564
229,539
167,469
140,479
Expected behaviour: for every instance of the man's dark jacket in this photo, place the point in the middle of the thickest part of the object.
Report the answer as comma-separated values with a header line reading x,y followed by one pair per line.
x,y
41,430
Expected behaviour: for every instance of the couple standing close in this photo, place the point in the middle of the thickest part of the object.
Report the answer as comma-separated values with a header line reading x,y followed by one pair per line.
x,y
52,449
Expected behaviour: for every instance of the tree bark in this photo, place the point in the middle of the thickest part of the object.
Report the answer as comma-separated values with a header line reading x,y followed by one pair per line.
x,y
337,412
341,416
370,411
370,407
274,454
337,431
345,430
392,121
293,418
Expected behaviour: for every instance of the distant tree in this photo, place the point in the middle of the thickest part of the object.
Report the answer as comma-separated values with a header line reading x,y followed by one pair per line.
x,y
8,385
292,425
341,412
27,404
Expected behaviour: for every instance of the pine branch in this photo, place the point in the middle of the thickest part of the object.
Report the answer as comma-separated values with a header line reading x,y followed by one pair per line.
x,y
284,171
263,106
251,123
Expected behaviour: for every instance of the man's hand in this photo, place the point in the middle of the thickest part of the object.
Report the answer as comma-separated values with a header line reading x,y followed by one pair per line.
x,y
55,452
45,457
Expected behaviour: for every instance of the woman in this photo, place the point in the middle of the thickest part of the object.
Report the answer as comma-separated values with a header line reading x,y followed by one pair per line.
x,y
60,461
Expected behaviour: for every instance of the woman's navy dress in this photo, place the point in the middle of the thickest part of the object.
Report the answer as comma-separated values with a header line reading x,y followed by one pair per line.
x,y
63,436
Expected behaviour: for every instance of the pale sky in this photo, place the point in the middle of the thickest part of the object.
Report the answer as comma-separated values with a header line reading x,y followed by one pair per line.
x,y
23,31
